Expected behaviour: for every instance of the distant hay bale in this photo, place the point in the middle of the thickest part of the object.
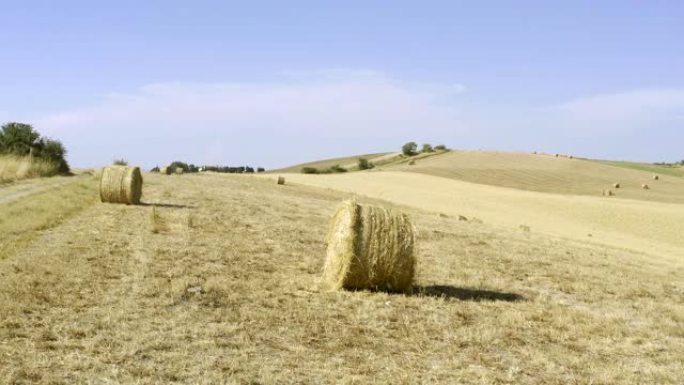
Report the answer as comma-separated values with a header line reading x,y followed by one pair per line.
x,y
281,180
369,247
571,157
656,177
178,170
556,155
608,193
165,170
645,186
121,184
616,185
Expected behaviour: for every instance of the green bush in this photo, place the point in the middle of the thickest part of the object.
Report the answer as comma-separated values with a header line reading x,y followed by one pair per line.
x,y
120,162
441,147
409,149
364,164
337,168
427,148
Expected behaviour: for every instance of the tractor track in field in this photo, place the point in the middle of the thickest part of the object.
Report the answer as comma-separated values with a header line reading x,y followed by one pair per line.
x,y
8,197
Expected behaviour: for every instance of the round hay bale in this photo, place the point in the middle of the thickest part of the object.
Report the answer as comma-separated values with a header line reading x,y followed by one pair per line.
x,y
178,170
656,177
556,155
281,180
608,193
369,247
121,184
616,185
645,186
165,170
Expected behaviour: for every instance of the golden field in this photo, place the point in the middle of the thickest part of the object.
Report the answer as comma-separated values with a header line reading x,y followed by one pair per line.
x,y
217,279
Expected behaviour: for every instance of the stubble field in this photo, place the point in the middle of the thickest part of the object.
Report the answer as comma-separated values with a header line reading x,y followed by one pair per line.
x,y
215,279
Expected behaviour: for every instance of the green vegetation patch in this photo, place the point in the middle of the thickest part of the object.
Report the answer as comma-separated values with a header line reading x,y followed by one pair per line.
x,y
672,170
21,221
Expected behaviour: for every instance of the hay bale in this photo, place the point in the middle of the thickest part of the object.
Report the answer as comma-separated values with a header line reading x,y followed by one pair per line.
x,y
165,170
281,180
656,177
571,157
645,186
369,247
616,185
178,170
557,155
608,193
121,184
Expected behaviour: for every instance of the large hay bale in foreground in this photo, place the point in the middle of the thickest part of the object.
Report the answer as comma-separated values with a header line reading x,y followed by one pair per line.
x,y
121,184
281,180
369,247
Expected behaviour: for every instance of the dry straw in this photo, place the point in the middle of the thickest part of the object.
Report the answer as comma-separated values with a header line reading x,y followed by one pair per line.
x,y
121,184
281,180
179,170
369,247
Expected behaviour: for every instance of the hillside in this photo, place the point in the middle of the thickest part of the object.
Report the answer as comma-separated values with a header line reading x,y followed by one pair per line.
x,y
216,279
348,162
547,173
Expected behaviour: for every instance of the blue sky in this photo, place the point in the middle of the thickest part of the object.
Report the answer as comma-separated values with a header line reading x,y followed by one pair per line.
x,y
270,83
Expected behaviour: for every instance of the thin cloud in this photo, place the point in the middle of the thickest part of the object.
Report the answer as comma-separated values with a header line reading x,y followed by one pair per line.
x,y
197,121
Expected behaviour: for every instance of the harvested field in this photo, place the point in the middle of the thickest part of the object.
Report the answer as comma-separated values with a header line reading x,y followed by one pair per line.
x,y
229,291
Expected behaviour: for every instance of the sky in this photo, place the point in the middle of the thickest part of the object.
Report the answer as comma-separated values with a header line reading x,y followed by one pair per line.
x,y
275,83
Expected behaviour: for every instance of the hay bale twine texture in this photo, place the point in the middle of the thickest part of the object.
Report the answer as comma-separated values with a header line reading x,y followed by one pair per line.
x,y
121,184
281,180
369,247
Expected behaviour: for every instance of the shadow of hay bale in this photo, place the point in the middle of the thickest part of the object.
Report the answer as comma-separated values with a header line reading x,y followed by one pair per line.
x,y
168,205
464,294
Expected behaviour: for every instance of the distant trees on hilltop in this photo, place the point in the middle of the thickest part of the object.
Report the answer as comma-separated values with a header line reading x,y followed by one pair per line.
x,y
411,148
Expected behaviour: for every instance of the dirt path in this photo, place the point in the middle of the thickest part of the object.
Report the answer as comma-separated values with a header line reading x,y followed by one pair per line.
x,y
17,191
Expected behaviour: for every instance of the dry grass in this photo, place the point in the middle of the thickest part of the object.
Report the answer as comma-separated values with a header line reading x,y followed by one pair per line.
x,y
21,219
13,168
636,224
237,298
544,173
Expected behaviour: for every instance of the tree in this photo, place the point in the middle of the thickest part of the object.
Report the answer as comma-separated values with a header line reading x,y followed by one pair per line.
x,y
364,164
440,147
52,151
427,148
120,162
178,164
18,138
409,149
